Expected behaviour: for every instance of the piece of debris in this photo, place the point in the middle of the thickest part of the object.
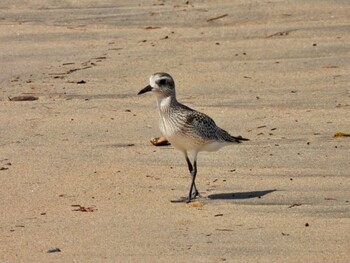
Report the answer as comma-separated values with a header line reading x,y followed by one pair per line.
x,y
196,204
151,27
217,17
293,205
54,250
341,134
281,33
99,58
83,209
224,229
159,141
81,82
23,98
329,66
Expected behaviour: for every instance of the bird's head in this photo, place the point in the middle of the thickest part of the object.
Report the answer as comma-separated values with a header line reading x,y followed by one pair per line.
x,y
160,83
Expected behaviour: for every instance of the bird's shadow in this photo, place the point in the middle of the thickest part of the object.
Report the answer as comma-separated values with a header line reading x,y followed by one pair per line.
x,y
240,195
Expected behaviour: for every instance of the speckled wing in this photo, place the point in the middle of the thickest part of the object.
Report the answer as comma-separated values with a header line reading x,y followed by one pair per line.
x,y
204,127
201,126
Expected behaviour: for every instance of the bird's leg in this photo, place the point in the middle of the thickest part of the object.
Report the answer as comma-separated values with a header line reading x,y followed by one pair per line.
x,y
193,184
189,164
193,172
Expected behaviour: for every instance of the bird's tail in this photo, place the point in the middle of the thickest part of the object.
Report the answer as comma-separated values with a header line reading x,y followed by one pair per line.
x,y
225,136
239,138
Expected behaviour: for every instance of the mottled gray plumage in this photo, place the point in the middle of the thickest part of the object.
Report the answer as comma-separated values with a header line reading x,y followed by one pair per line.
x,y
204,127
186,129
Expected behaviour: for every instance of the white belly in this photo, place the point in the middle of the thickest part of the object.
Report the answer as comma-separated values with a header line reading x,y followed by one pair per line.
x,y
186,143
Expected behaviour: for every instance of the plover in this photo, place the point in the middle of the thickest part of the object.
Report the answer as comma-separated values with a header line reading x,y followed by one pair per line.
x,y
186,129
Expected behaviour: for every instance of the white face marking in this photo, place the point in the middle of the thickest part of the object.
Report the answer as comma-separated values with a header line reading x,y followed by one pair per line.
x,y
152,81
167,86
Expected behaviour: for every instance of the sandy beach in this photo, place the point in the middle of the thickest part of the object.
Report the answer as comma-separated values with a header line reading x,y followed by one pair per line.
x,y
80,179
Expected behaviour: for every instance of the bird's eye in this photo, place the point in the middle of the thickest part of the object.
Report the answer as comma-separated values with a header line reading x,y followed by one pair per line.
x,y
162,81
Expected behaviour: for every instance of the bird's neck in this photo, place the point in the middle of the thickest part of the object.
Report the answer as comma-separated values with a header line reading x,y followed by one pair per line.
x,y
165,102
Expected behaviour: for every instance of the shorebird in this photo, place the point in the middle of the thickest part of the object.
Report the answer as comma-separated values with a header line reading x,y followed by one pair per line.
x,y
186,129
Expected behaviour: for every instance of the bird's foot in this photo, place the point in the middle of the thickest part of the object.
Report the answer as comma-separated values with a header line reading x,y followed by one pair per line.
x,y
183,200
187,200
196,194
194,197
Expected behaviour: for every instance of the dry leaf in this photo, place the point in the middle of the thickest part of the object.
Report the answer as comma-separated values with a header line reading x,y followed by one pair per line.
x,y
341,134
83,209
23,98
151,27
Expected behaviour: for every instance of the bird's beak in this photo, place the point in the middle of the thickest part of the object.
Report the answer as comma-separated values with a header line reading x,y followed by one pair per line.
x,y
145,89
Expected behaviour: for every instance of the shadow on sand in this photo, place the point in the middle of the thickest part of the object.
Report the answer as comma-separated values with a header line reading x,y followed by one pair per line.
x,y
241,195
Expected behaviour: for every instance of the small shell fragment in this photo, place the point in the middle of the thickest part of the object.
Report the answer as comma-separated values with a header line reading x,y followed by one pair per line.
x,y
159,141
196,204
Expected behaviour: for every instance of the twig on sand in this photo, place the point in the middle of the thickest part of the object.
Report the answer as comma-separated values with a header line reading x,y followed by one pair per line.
x,y
217,17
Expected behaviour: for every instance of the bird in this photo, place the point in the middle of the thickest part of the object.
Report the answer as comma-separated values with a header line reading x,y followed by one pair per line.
x,y
188,130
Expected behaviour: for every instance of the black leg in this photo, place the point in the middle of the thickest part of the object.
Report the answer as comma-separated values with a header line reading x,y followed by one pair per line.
x,y
190,168
189,164
193,183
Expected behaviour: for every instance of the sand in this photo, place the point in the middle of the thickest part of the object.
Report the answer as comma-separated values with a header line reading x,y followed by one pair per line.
x,y
79,174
